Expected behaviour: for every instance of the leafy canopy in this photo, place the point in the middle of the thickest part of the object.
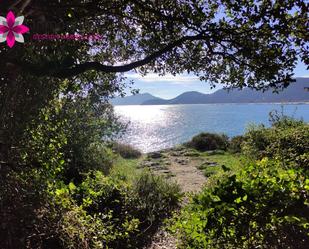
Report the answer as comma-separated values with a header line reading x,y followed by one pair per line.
x,y
240,43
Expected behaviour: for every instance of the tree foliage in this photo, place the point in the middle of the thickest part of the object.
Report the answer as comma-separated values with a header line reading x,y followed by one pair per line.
x,y
243,43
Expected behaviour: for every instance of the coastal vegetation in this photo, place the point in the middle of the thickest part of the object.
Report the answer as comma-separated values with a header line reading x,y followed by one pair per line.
x,y
209,141
92,192
260,201
126,151
65,183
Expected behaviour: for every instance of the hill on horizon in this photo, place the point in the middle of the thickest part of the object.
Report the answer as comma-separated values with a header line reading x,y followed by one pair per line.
x,y
295,92
137,99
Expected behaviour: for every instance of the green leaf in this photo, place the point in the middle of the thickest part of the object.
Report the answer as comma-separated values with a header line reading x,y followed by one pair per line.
x,y
72,186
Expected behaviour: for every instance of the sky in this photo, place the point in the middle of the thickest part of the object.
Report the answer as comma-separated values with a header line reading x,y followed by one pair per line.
x,y
169,86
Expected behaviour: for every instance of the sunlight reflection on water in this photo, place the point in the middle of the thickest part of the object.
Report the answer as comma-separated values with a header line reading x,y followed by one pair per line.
x,y
156,127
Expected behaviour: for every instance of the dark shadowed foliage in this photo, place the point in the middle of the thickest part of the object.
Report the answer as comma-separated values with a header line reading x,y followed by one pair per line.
x,y
126,151
236,143
209,141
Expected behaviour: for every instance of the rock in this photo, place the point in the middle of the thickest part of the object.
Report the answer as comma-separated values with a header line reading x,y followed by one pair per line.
x,y
174,154
150,164
162,240
165,150
155,155
212,164
165,171
191,153
215,152
177,153
178,148
182,161
167,163
207,163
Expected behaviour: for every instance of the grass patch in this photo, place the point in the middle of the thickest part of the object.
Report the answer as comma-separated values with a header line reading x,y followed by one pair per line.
x,y
125,169
220,164
227,159
211,170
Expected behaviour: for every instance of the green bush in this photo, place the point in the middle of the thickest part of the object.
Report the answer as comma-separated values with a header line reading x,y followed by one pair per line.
x,y
285,141
291,146
96,156
236,143
105,212
126,151
89,126
55,190
279,119
154,197
264,206
209,141
22,202
107,202
256,141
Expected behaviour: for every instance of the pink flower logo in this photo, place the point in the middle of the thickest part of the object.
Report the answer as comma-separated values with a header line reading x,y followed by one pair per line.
x,y
11,29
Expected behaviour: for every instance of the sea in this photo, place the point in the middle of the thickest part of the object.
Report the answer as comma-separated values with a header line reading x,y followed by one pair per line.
x,y
155,127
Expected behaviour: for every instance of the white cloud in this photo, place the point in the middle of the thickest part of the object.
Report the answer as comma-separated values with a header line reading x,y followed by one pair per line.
x,y
175,80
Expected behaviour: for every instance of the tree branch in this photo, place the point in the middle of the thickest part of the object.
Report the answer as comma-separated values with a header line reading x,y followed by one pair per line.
x,y
81,68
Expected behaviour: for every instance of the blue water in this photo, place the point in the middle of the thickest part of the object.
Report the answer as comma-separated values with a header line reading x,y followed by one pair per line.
x,y
152,128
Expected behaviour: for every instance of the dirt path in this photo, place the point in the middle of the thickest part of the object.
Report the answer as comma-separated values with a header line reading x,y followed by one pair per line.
x,y
185,173
181,166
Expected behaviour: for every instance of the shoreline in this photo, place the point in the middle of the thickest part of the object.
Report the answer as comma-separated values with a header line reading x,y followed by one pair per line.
x,y
228,103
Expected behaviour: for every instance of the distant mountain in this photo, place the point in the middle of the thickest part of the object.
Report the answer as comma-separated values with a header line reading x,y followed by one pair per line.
x,y
136,99
296,92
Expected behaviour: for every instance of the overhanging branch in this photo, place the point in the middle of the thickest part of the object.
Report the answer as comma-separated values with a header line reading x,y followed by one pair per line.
x,y
67,72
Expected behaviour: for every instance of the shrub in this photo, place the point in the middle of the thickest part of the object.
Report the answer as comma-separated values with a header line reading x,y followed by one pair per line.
x,y
264,206
105,212
80,230
256,141
126,151
278,119
94,157
209,141
22,197
235,144
89,126
154,197
106,203
290,145
287,142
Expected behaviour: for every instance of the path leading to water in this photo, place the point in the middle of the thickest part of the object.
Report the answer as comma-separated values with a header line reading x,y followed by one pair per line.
x,y
181,166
